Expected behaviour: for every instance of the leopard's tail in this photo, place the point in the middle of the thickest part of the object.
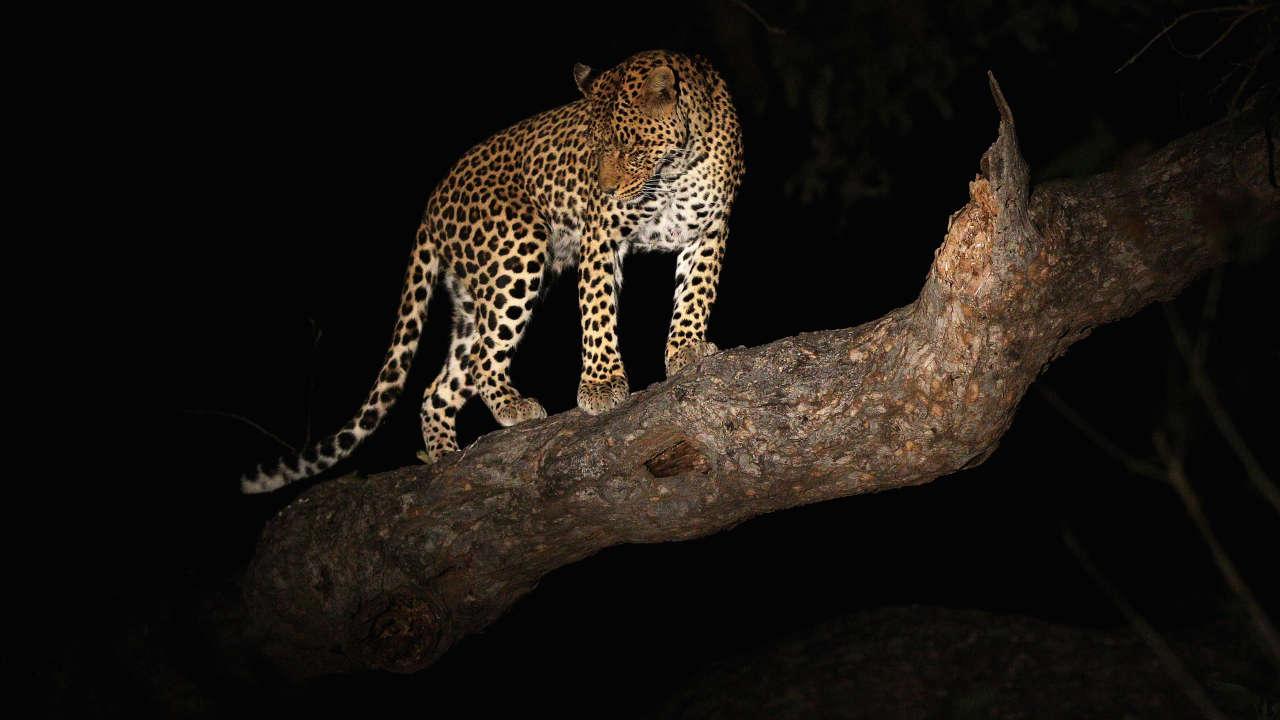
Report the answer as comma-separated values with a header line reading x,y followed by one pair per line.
x,y
423,269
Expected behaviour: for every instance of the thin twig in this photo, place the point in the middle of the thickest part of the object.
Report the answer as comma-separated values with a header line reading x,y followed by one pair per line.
x,y
1236,67
771,29
1164,653
1175,476
1239,19
1115,452
1178,479
1208,315
1253,69
1203,11
1218,414
246,421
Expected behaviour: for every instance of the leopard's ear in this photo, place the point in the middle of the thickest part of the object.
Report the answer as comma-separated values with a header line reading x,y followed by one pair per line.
x,y
659,94
583,77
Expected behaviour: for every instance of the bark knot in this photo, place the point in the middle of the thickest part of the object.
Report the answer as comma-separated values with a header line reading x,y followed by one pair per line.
x,y
406,636
679,458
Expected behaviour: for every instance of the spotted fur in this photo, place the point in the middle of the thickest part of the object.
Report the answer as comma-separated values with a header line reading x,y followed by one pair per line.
x,y
649,159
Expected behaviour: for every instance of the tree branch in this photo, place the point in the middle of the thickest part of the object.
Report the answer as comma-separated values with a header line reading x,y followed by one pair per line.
x,y
390,571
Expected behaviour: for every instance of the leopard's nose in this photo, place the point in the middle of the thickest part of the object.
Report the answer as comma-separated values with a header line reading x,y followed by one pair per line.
x,y
607,172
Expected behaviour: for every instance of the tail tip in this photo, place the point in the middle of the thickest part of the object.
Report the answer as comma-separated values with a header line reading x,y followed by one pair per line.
x,y
260,484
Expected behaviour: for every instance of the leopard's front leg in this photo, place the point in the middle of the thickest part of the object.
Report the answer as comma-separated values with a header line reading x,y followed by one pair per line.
x,y
604,380
697,272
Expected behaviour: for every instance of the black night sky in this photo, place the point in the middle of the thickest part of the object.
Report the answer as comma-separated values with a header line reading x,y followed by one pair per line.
x,y
293,153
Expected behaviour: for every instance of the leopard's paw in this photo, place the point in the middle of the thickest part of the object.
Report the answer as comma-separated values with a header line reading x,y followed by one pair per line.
x,y
519,410
436,447
596,396
685,355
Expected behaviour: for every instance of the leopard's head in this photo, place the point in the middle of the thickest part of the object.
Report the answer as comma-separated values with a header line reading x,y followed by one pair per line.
x,y
639,129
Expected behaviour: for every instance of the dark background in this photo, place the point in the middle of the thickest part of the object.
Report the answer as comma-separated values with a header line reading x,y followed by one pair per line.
x,y
290,154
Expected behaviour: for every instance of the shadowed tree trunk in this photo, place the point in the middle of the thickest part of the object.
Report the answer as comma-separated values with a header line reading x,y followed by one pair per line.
x,y
390,571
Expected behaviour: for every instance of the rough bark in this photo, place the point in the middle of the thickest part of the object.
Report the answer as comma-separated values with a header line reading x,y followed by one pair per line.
x,y
388,572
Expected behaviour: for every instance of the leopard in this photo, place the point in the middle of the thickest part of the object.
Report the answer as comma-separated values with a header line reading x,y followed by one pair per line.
x,y
648,159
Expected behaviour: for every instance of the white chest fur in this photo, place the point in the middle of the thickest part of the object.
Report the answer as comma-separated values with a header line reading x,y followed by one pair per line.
x,y
677,215
667,228
565,246
669,220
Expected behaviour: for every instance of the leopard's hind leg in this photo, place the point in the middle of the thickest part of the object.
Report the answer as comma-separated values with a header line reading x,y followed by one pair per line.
x,y
453,386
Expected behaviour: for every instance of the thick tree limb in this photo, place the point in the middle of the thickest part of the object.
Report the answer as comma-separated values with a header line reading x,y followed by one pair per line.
x,y
388,572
